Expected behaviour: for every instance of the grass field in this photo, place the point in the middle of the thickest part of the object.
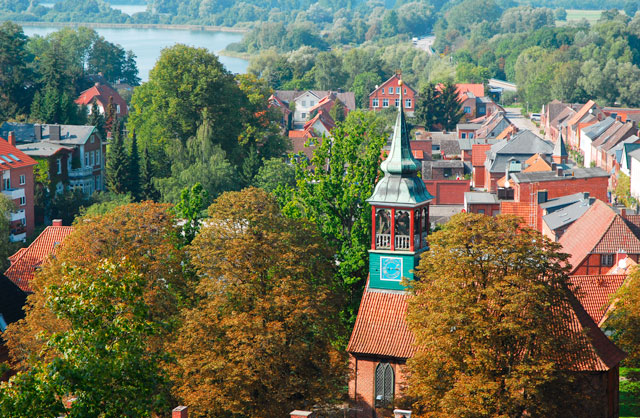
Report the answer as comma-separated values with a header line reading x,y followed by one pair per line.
x,y
574,15
629,395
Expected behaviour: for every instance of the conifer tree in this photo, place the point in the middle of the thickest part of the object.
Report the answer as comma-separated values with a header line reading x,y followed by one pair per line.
x,y
97,119
134,169
450,107
117,162
427,107
110,115
147,189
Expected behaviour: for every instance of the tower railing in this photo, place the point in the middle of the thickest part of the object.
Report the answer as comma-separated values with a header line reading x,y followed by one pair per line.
x,y
383,240
402,242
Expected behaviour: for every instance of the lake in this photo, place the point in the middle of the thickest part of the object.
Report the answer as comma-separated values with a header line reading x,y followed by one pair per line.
x,y
147,43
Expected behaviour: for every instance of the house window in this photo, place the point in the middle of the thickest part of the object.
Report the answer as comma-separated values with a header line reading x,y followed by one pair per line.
x,y
304,103
312,103
23,179
86,159
98,157
59,166
405,91
446,172
467,109
397,90
470,135
92,158
384,384
23,201
93,139
606,259
385,102
481,110
390,90
407,104
463,135
117,108
397,102
304,115
382,90
481,211
7,184
375,103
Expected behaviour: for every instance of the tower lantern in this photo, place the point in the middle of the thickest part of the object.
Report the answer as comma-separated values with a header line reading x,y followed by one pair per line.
x,y
400,213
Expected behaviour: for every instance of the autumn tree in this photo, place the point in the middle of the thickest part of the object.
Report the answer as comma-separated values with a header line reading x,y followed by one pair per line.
x,y
334,195
488,313
101,358
259,342
624,320
146,234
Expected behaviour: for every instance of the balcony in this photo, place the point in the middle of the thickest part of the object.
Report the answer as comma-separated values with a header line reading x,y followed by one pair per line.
x,y
13,193
80,172
19,233
17,216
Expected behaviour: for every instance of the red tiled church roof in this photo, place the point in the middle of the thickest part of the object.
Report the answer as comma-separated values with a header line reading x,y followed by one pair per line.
x,y
594,292
28,259
381,328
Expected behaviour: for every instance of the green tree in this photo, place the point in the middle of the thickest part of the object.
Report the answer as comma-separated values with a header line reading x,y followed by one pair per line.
x,y
328,72
133,183
104,202
129,70
15,76
338,111
267,302
97,119
117,165
449,107
106,58
102,358
363,85
334,193
147,188
192,202
491,324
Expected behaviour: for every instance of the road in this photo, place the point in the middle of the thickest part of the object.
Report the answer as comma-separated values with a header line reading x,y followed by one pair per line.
x,y
426,44
514,115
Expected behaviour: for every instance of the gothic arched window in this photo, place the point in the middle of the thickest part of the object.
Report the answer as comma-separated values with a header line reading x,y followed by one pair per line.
x,y
384,384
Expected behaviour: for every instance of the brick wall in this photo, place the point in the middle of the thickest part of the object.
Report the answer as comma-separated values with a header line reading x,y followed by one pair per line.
x,y
485,208
448,192
362,383
564,186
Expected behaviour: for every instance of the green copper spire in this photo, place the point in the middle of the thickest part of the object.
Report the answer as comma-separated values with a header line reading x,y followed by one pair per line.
x,y
400,159
400,184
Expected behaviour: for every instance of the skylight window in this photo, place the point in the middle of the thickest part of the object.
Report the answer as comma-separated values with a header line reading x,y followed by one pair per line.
x,y
4,157
14,157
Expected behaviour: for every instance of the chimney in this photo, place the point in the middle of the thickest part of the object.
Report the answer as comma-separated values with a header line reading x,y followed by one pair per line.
x,y
54,132
12,139
56,222
559,171
620,256
401,413
301,414
180,412
37,132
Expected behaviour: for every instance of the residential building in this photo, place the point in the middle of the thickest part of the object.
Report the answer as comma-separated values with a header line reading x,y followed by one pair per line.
x,y
86,167
474,103
559,213
482,202
388,94
593,132
18,185
467,130
381,343
518,149
588,114
446,170
102,95
496,126
25,262
311,133
532,189
300,104
597,237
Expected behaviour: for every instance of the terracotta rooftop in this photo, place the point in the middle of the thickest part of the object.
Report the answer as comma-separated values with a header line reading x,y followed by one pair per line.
x,y
595,291
381,328
102,93
28,259
581,113
479,154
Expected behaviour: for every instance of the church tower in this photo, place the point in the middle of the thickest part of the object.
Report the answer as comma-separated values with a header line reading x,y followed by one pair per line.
x,y
381,342
400,214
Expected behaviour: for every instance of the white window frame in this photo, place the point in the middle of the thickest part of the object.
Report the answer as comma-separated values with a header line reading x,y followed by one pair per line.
x,y
92,158
98,161
407,104
385,102
397,102
59,166
397,90
23,179
23,201
375,103
390,90
86,159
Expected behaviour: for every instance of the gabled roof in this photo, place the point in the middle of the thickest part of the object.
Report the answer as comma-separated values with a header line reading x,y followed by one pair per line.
x,y
524,144
559,149
69,134
381,328
491,123
581,113
620,135
554,108
102,93
567,214
12,157
595,291
536,162
477,90
585,234
322,118
598,128
22,269
288,96
561,118
393,80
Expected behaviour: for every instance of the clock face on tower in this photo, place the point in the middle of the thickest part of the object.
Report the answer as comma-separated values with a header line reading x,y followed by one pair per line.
x,y
391,268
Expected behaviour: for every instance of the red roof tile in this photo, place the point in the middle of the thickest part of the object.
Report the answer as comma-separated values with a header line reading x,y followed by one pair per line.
x,y
476,89
17,255
581,113
584,234
102,93
622,234
602,354
594,292
7,161
27,260
418,154
479,154
381,328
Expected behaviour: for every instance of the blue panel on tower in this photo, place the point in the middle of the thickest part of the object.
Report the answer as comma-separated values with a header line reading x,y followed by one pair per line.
x,y
388,269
